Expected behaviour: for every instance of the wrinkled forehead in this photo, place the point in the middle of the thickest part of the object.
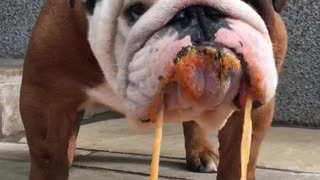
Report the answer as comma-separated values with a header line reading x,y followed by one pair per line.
x,y
111,5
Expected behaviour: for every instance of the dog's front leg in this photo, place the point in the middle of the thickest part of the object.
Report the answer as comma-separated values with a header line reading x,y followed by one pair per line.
x,y
51,133
230,142
200,155
262,119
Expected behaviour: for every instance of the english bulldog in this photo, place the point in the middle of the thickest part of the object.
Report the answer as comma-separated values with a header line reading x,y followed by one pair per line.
x,y
116,53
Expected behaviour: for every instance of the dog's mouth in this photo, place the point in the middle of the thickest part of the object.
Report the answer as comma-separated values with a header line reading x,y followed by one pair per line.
x,y
204,74
199,79
199,61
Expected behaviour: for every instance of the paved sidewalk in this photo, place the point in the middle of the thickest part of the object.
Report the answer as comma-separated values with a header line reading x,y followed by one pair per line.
x,y
108,150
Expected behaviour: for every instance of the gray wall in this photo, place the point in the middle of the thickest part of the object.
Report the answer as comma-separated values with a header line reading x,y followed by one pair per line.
x,y
16,19
299,92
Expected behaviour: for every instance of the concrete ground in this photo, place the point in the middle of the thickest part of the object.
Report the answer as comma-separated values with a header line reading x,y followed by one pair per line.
x,y
109,150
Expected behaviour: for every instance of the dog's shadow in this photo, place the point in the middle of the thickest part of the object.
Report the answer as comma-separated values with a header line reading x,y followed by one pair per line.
x,y
108,115
115,161
119,161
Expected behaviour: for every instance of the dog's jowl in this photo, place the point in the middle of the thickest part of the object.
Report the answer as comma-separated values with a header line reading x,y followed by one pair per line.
x,y
118,53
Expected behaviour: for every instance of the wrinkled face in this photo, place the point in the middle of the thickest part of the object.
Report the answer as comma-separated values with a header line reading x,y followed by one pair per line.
x,y
136,43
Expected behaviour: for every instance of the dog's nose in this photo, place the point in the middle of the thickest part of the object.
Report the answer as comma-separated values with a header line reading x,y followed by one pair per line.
x,y
200,22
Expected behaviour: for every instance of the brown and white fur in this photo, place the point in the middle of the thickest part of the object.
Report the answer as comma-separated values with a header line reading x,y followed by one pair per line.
x,y
82,57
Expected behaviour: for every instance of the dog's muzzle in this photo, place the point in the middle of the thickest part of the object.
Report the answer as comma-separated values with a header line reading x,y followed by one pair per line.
x,y
220,85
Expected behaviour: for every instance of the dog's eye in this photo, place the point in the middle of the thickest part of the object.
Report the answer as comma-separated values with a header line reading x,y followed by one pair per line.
x,y
134,12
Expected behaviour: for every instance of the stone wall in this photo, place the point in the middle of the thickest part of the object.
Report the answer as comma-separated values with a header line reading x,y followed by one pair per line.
x,y
10,83
17,18
299,91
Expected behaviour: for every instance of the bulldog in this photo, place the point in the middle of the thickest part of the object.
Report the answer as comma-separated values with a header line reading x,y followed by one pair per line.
x,y
117,53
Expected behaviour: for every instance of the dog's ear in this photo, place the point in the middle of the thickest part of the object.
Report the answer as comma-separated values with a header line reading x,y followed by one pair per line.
x,y
279,5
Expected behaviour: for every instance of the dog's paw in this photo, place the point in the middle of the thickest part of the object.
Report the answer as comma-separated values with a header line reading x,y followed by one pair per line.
x,y
205,161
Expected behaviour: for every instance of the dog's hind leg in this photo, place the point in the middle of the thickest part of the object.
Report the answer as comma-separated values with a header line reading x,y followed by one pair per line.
x,y
199,152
